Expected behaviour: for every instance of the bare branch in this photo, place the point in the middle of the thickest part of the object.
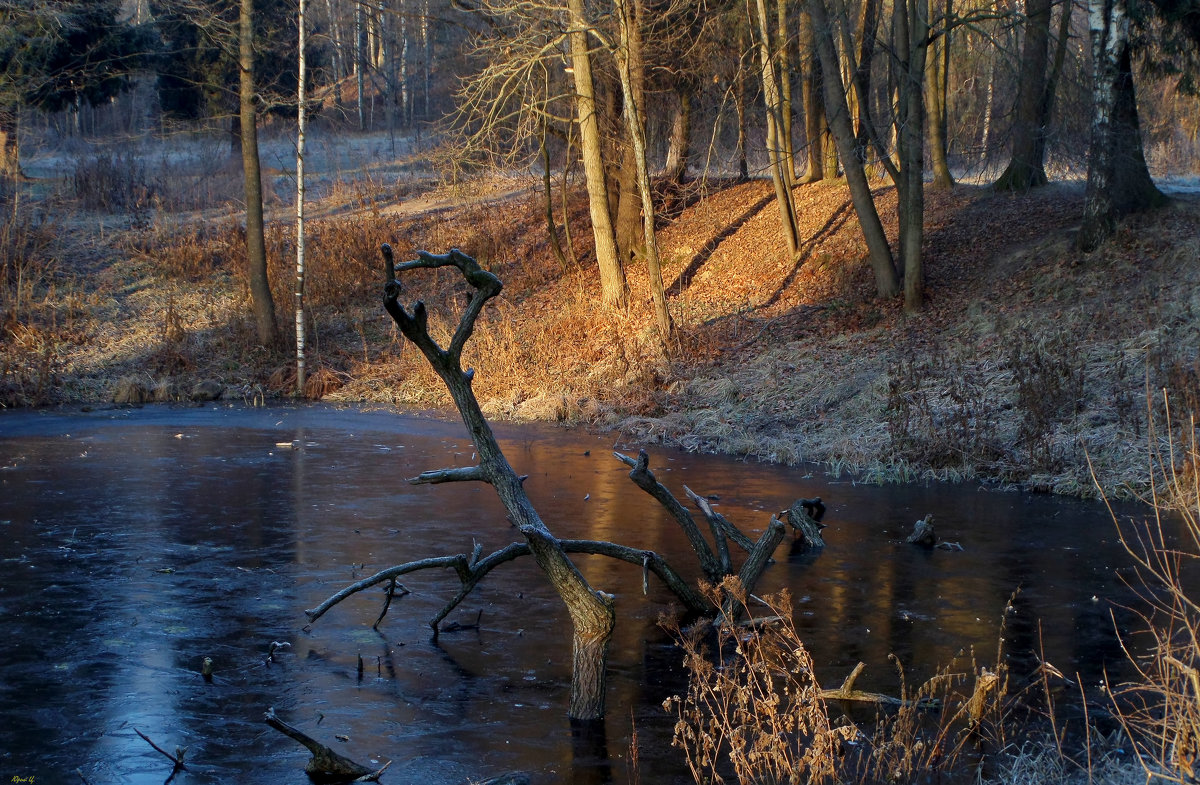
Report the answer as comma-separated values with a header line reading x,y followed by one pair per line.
x,y
645,479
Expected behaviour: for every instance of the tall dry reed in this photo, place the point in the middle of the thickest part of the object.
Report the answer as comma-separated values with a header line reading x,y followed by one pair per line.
x,y
1159,707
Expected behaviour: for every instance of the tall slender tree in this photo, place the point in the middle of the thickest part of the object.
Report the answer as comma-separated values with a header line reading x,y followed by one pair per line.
x,y
256,250
301,128
614,289
627,53
887,281
776,149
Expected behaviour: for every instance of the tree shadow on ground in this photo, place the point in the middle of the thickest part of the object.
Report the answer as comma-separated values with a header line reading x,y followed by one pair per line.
x,y
705,253
835,222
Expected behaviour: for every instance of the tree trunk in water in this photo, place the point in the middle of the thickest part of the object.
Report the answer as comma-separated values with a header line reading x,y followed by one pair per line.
x,y
256,250
887,282
1027,169
679,150
589,669
783,190
592,612
1118,181
614,290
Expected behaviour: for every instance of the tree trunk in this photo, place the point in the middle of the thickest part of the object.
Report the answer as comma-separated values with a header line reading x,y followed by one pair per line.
x,y
548,200
679,150
426,57
301,127
359,62
10,151
739,103
405,96
1026,169
989,108
628,57
614,290
256,250
868,31
1118,180
887,283
387,65
628,225
631,239
783,190
592,613
936,67
810,100
787,146
912,33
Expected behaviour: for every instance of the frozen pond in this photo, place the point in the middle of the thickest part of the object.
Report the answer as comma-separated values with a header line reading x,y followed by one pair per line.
x,y
136,542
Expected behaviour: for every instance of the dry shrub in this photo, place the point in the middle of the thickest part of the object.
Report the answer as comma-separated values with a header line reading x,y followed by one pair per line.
x,y
29,361
319,381
139,181
112,182
173,353
1160,707
941,411
754,712
130,389
1048,373
343,266
27,263
194,251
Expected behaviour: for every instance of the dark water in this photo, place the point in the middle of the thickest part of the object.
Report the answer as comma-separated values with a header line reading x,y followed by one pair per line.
x,y
134,543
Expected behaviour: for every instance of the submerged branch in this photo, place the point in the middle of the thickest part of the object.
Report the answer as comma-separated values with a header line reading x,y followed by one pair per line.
x,y
457,474
325,765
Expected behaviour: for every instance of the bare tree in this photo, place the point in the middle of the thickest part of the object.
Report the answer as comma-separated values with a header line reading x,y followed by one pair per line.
x,y
626,54
887,283
301,127
776,148
256,250
591,611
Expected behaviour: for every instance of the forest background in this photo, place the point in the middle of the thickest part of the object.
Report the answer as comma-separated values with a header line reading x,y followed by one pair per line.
x,y
969,253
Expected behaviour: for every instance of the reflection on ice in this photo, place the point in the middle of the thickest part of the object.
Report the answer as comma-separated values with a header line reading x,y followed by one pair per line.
x,y
136,543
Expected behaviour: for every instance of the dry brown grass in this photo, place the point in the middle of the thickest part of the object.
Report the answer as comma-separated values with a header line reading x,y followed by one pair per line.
x,y
1026,356
754,712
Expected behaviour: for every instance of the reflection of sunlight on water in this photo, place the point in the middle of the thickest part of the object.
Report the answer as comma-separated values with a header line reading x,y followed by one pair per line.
x,y
212,544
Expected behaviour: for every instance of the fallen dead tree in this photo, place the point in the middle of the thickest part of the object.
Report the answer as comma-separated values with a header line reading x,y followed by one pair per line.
x,y
591,611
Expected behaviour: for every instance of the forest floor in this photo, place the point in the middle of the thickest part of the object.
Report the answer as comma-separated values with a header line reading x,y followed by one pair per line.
x,y
1029,361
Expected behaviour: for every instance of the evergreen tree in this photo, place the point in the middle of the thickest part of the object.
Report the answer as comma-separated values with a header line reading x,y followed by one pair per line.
x,y
59,54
